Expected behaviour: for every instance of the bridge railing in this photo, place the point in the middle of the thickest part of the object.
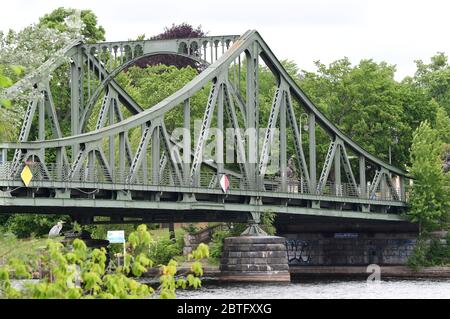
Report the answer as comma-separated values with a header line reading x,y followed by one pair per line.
x,y
98,176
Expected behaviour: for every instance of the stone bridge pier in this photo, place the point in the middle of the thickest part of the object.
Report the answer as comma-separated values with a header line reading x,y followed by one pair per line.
x,y
254,256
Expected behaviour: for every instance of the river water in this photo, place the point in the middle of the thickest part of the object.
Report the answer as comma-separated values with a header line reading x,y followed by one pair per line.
x,y
330,289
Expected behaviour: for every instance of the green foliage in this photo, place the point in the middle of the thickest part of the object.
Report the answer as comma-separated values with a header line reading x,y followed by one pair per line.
x,y
201,252
267,220
5,81
140,240
191,228
429,198
164,249
434,78
169,282
57,19
77,271
367,103
20,268
216,245
150,85
236,229
31,225
31,47
443,125
7,127
430,252
418,257
100,231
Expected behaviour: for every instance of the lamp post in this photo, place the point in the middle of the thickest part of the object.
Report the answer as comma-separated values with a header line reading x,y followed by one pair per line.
x,y
394,142
303,115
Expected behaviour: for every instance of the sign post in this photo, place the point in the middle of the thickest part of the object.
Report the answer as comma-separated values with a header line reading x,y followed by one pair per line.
x,y
117,237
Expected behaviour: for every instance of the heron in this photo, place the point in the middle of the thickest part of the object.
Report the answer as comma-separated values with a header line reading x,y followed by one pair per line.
x,y
56,229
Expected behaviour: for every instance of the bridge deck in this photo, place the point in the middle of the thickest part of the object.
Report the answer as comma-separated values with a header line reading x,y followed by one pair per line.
x,y
95,194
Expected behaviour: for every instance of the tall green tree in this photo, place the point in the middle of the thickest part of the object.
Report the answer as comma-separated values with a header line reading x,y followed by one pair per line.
x,y
430,199
443,125
30,48
65,20
58,20
6,126
434,77
443,130
369,105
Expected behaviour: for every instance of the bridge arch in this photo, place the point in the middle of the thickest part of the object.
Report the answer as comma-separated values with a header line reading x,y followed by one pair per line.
x,y
115,72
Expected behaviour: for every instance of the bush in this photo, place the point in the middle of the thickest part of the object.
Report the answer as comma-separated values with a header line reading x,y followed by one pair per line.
x,y
418,257
216,245
31,225
439,252
428,253
76,271
267,220
165,249
190,229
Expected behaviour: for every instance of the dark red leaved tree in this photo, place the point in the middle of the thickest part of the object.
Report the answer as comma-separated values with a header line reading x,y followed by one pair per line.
x,y
180,31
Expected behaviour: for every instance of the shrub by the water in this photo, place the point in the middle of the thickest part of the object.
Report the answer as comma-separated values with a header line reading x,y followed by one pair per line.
x,y
76,271
431,252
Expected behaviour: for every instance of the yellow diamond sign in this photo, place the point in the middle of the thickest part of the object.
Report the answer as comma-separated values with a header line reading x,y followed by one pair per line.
x,y
26,175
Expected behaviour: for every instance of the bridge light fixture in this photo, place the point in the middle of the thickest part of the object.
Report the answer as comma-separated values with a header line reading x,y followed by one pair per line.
x,y
306,126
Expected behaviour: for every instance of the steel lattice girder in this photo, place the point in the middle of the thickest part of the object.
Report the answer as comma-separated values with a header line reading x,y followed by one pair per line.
x,y
150,119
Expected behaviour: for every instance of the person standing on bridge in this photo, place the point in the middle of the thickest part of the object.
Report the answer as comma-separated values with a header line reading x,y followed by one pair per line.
x,y
291,173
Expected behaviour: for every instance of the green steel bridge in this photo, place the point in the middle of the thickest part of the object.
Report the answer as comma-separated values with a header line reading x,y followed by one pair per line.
x,y
96,170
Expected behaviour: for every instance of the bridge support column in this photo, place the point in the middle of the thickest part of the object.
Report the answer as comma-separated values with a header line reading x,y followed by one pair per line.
x,y
253,228
254,256
254,259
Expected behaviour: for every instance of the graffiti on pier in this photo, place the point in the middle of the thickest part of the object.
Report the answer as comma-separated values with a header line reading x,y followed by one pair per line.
x,y
298,251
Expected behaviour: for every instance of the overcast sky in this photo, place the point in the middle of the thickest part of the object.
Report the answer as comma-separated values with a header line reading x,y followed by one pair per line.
x,y
394,31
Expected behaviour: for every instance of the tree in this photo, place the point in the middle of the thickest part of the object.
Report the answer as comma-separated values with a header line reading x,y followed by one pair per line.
x,y
369,105
30,48
7,127
26,225
90,30
435,79
429,199
443,130
68,21
443,125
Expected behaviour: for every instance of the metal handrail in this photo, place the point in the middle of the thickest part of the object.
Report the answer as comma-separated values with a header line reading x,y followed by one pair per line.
x,y
94,176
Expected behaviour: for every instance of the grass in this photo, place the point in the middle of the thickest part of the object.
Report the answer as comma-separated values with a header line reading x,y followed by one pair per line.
x,y
164,233
11,247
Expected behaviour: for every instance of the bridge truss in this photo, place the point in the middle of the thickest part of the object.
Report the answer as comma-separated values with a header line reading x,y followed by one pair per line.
x,y
97,171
